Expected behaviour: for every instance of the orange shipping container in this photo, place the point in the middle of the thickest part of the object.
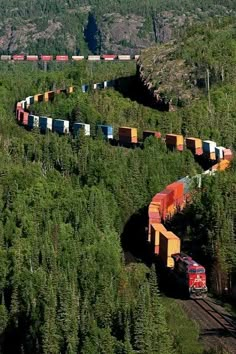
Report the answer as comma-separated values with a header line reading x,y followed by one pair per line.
x,y
155,235
169,244
127,131
193,143
174,139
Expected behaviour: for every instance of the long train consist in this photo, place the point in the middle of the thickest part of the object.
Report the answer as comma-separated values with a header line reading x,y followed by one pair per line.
x,y
66,58
164,204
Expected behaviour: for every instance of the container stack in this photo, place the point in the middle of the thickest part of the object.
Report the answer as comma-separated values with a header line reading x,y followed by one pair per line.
x,y
165,201
48,96
128,135
107,130
77,127
195,145
154,216
175,141
39,97
33,121
61,126
178,189
45,123
147,133
169,245
209,149
156,228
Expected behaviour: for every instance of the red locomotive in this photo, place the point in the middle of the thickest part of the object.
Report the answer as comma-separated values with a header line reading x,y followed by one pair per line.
x,y
191,274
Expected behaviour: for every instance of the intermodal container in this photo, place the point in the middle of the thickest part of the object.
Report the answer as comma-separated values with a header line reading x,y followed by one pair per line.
x,y
24,104
124,57
193,143
46,57
85,88
18,105
228,154
81,126
127,131
156,228
18,57
164,198
109,57
71,89
219,150
29,100
198,151
32,57
33,121
61,126
45,123
178,189
209,146
100,85
110,83
180,147
62,58
174,140
147,133
19,114
39,97
136,57
25,118
169,244
48,96
94,57
77,57
5,57
107,130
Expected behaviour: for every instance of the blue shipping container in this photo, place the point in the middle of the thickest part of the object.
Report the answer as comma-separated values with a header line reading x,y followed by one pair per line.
x,y
85,88
107,130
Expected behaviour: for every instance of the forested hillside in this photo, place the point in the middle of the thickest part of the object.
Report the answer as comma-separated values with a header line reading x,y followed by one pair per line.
x,y
87,25
64,284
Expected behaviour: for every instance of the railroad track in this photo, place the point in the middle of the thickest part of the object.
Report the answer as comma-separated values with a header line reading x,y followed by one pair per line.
x,y
218,316
216,330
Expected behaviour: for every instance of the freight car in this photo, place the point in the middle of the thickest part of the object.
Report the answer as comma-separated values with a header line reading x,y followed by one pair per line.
x,y
164,204
65,58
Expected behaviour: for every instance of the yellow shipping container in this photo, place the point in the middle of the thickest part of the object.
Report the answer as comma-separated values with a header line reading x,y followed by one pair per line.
x,y
174,139
155,233
212,156
48,96
169,244
38,97
70,89
170,262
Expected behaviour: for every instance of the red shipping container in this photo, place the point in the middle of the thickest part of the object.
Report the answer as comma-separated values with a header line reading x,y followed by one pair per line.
x,y
18,114
25,118
32,57
46,57
109,56
178,188
228,154
18,57
180,147
62,57
164,199
198,151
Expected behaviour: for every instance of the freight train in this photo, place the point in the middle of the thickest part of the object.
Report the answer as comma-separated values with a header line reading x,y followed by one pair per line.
x,y
165,244
66,58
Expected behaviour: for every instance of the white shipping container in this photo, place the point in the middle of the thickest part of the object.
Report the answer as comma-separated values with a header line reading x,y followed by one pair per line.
x,y
32,57
94,57
84,126
5,57
136,57
94,86
124,57
219,150
209,146
29,100
77,57
23,104
45,123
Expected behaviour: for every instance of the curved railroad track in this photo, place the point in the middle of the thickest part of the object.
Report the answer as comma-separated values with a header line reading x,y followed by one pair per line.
x,y
217,328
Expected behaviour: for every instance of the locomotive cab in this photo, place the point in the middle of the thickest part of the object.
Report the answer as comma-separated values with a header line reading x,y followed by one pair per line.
x,y
192,273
